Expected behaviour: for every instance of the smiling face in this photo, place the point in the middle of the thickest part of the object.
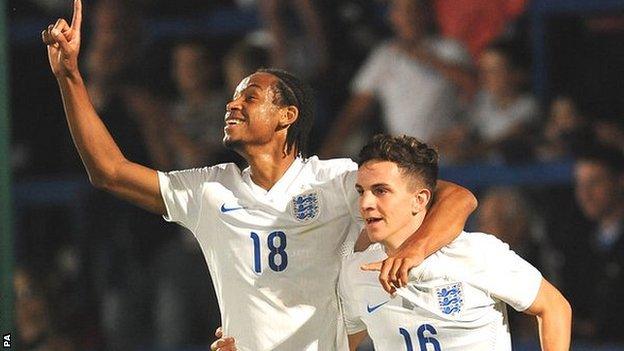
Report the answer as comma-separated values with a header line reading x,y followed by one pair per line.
x,y
253,118
392,205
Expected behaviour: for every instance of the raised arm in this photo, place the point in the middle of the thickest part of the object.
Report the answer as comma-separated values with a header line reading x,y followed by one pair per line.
x,y
554,318
444,222
106,165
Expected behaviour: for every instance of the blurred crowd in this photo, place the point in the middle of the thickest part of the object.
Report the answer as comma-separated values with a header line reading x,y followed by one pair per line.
x,y
456,74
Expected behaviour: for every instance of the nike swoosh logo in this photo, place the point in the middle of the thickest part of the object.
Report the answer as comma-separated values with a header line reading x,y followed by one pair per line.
x,y
228,209
370,308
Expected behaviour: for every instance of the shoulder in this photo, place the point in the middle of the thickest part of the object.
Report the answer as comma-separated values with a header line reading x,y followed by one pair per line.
x,y
476,241
209,173
474,247
332,168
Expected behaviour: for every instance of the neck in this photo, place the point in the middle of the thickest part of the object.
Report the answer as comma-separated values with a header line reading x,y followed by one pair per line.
x,y
268,165
394,241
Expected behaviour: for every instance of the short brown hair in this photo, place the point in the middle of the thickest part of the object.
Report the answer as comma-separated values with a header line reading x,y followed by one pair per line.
x,y
413,157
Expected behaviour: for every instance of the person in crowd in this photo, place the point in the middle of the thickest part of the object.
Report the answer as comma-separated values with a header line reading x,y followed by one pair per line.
x,y
416,77
565,131
594,271
503,114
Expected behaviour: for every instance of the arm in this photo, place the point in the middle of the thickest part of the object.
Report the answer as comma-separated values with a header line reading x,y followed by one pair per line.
x,y
107,167
356,339
554,318
444,221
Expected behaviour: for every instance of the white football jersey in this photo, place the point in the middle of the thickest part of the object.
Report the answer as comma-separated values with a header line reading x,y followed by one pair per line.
x,y
275,255
455,300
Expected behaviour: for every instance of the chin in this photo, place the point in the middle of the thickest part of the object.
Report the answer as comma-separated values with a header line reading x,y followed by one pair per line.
x,y
230,143
375,236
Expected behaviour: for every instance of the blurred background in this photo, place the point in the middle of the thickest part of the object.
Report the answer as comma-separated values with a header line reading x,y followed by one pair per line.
x,y
522,98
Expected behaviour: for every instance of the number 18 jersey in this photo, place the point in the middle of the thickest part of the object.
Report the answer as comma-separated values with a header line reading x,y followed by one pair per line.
x,y
274,256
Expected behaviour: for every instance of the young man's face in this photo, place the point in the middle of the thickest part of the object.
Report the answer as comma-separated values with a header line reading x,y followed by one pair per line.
x,y
596,188
252,117
387,201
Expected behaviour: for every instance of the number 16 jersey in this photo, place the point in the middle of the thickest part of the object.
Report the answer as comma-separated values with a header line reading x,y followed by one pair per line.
x,y
274,256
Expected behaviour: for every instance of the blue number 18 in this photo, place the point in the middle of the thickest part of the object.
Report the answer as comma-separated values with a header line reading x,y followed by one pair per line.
x,y
275,251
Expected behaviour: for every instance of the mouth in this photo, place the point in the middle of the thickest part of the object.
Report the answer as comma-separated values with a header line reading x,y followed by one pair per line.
x,y
372,220
232,119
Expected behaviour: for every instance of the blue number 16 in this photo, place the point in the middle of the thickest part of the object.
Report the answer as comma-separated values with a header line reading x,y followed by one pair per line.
x,y
422,339
275,251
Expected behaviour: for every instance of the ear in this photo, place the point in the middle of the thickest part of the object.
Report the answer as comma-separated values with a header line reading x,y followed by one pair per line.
x,y
420,200
288,116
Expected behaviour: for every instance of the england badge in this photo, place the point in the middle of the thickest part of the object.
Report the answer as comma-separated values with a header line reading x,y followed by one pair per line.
x,y
306,206
450,298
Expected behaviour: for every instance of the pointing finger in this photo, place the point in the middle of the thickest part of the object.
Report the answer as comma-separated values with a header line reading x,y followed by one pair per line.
x,y
375,266
76,22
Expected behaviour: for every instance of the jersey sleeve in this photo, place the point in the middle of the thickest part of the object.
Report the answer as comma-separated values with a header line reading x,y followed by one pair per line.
x,y
349,307
508,276
182,194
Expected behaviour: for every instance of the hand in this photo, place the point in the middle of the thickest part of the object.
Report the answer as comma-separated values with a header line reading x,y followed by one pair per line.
x,y
223,344
394,269
63,44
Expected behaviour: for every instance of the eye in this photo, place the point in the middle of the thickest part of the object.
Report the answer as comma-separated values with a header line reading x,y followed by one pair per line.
x,y
360,191
380,191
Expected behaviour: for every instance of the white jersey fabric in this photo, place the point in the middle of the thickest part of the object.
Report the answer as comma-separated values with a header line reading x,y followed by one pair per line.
x,y
455,300
274,256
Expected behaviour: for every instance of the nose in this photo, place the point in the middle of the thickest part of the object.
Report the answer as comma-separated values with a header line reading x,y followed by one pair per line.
x,y
233,105
367,201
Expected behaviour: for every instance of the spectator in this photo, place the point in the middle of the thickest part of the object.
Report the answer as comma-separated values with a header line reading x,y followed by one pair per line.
x,y
35,313
187,132
595,264
565,131
299,46
502,113
415,76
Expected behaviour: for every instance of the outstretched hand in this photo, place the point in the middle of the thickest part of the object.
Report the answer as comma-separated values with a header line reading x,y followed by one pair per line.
x,y
394,270
63,43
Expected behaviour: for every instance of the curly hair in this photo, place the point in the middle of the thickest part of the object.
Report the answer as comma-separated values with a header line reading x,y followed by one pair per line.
x,y
413,157
291,91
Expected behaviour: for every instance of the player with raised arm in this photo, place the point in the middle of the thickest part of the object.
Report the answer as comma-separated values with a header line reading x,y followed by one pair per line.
x,y
271,234
455,299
